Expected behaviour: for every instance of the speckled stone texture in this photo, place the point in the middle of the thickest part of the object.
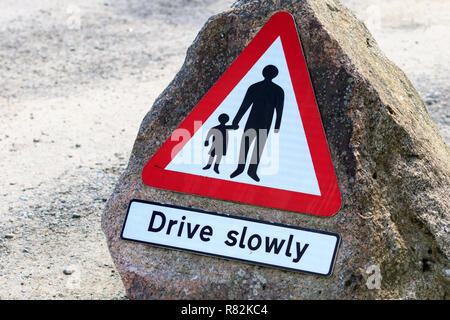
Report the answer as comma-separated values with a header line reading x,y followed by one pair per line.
x,y
392,166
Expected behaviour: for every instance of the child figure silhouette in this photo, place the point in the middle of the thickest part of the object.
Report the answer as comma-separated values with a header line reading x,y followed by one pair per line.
x,y
219,143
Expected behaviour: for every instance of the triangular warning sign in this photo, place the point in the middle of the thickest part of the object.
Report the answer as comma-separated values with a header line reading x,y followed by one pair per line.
x,y
256,137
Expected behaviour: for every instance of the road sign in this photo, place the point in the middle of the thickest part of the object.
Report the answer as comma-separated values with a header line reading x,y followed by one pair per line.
x,y
256,137
231,237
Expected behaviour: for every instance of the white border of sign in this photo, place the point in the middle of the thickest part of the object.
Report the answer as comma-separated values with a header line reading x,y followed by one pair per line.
x,y
317,258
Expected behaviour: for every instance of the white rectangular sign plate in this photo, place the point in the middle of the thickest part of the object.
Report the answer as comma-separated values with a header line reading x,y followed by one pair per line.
x,y
231,237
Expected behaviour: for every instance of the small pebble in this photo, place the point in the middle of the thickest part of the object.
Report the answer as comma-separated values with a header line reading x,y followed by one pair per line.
x,y
68,271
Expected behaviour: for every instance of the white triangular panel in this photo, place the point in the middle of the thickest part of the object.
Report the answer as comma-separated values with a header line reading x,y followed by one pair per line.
x,y
286,162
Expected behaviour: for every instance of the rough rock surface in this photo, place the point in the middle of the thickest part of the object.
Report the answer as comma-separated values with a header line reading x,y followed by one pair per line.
x,y
392,166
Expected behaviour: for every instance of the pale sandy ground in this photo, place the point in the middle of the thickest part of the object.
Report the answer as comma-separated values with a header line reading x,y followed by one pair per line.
x,y
76,79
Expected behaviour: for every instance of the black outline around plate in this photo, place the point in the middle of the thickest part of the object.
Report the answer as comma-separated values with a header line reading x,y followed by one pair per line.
x,y
333,260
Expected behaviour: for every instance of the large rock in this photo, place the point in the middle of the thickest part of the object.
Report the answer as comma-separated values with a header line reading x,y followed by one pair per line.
x,y
392,166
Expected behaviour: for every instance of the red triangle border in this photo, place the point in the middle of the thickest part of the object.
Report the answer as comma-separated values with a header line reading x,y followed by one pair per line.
x,y
281,25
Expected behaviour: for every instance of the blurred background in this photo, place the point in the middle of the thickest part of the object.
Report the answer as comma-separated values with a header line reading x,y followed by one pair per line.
x,y
76,79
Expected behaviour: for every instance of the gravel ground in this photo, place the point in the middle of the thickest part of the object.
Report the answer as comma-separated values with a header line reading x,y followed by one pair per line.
x,y
76,79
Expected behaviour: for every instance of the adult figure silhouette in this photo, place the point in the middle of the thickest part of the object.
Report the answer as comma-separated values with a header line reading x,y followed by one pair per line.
x,y
265,98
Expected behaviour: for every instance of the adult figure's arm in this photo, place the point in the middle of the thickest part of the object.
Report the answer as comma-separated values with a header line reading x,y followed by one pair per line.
x,y
246,103
210,133
279,109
